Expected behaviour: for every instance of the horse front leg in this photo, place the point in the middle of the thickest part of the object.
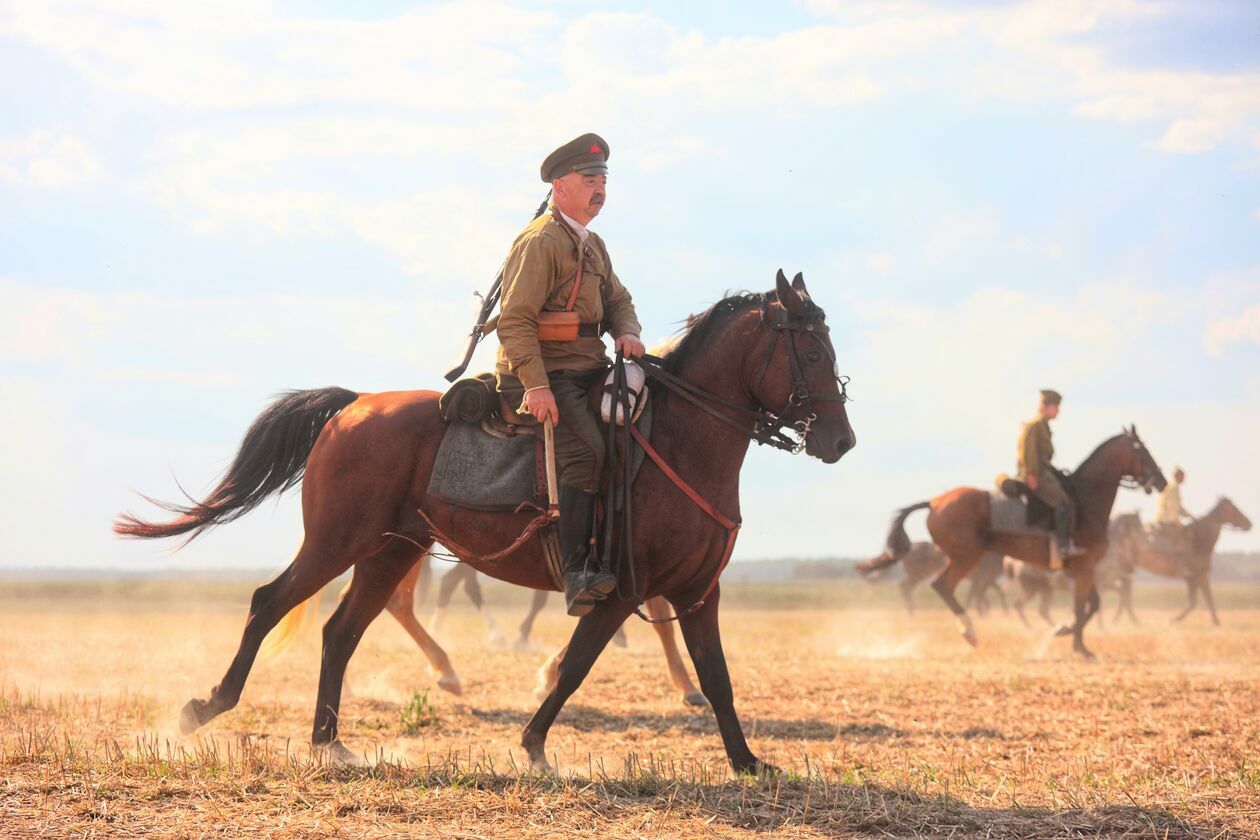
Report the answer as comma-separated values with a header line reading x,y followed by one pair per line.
x,y
589,639
704,643
1206,585
1086,605
1192,592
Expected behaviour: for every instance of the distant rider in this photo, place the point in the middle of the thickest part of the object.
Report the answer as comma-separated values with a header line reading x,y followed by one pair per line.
x,y
1035,469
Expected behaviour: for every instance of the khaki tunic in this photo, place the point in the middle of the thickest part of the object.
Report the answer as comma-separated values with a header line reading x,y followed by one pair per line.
x,y
1036,449
538,275
1168,507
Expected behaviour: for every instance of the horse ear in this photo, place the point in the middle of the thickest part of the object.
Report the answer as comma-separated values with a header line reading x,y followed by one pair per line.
x,y
788,296
798,283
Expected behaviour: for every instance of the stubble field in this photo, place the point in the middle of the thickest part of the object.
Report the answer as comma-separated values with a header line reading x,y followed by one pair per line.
x,y
888,725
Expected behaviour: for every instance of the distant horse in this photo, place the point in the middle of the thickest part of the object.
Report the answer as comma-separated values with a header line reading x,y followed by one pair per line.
x,y
1032,581
959,522
925,560
1194,566
752,367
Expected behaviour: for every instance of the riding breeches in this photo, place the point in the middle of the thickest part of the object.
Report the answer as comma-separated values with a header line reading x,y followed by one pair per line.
x,y
579,443
1050,490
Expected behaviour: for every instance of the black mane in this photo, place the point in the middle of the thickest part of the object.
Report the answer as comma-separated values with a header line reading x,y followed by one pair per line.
x,y
700,327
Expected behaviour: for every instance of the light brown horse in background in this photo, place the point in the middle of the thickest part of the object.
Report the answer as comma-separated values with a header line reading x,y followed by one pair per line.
x,y
1194,566
959,523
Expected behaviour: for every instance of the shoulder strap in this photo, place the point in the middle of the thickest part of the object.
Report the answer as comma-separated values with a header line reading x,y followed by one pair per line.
x,y
581,248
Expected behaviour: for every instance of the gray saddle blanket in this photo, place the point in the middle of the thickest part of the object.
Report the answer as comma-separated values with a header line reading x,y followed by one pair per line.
x,y
476,469
1009,515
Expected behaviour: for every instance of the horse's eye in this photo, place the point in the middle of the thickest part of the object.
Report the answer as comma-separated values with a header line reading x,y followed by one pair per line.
x,y
812,356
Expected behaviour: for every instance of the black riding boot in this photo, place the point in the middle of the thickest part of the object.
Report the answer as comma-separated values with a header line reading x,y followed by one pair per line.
x,y
1064,525
584,581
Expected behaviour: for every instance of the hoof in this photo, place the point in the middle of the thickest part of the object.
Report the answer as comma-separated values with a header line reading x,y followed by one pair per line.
x,y
1086,655
758,769
339,755
450,682
970,638
538,762
1062,630
696,698
190,717
496,639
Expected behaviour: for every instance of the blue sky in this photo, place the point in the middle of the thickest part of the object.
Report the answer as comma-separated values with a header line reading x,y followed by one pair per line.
x,y
202,206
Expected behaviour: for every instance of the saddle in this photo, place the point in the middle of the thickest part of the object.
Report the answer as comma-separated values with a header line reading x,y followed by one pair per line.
x,y
492,457
1015,509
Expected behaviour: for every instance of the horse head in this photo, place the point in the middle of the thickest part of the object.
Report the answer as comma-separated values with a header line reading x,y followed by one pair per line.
x,y
799,371
1142,467
1227,513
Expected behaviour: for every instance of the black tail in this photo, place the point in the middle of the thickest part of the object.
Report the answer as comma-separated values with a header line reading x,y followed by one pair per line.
x,y
898,544
272,459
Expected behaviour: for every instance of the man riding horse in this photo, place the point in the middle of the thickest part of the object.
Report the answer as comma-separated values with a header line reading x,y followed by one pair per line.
x,y
560,295
1168,530
1035,451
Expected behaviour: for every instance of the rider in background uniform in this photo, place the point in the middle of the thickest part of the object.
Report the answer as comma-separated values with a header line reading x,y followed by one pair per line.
x,y
1168,529
1035,469
550,378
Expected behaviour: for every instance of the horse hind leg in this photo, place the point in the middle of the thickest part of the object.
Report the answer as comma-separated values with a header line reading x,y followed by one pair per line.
x,y
374,582
659,608
402,607
945,584
523,644
309,572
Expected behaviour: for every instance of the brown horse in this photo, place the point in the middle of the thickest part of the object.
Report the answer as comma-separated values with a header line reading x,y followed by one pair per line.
x,y
1194,566
750,367
959,523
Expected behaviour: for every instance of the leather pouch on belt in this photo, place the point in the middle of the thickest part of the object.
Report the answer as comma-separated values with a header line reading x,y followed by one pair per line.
x,y
558,326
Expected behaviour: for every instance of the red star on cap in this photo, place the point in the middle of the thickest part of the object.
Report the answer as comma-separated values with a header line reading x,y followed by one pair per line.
x,y
595,149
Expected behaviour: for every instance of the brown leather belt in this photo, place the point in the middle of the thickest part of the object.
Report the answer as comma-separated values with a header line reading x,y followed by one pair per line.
x,y
588,330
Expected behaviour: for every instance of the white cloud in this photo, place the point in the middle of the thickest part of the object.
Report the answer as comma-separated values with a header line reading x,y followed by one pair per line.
x,y
881,261
956,232
51,161
1241,329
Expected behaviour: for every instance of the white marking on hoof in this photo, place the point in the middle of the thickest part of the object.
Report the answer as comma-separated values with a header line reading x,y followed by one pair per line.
x,y
339,755
540,765
696,698
450,682
967,629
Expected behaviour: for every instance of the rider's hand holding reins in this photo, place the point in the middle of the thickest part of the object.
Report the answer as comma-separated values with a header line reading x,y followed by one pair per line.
x,y
541,403
630,346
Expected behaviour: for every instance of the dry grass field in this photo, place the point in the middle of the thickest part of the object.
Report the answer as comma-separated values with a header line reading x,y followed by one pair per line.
x,y
888,726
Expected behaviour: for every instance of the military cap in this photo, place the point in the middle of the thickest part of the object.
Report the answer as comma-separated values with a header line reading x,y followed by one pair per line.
x,y
1051,397
587,154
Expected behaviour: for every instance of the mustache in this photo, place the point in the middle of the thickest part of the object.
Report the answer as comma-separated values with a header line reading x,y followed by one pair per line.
x,y
597,198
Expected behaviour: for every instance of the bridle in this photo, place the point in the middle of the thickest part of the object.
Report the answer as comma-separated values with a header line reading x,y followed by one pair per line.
x,y
766,427
1146,482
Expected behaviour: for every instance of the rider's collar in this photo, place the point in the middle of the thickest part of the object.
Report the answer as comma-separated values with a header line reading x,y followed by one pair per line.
x,y
573,224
